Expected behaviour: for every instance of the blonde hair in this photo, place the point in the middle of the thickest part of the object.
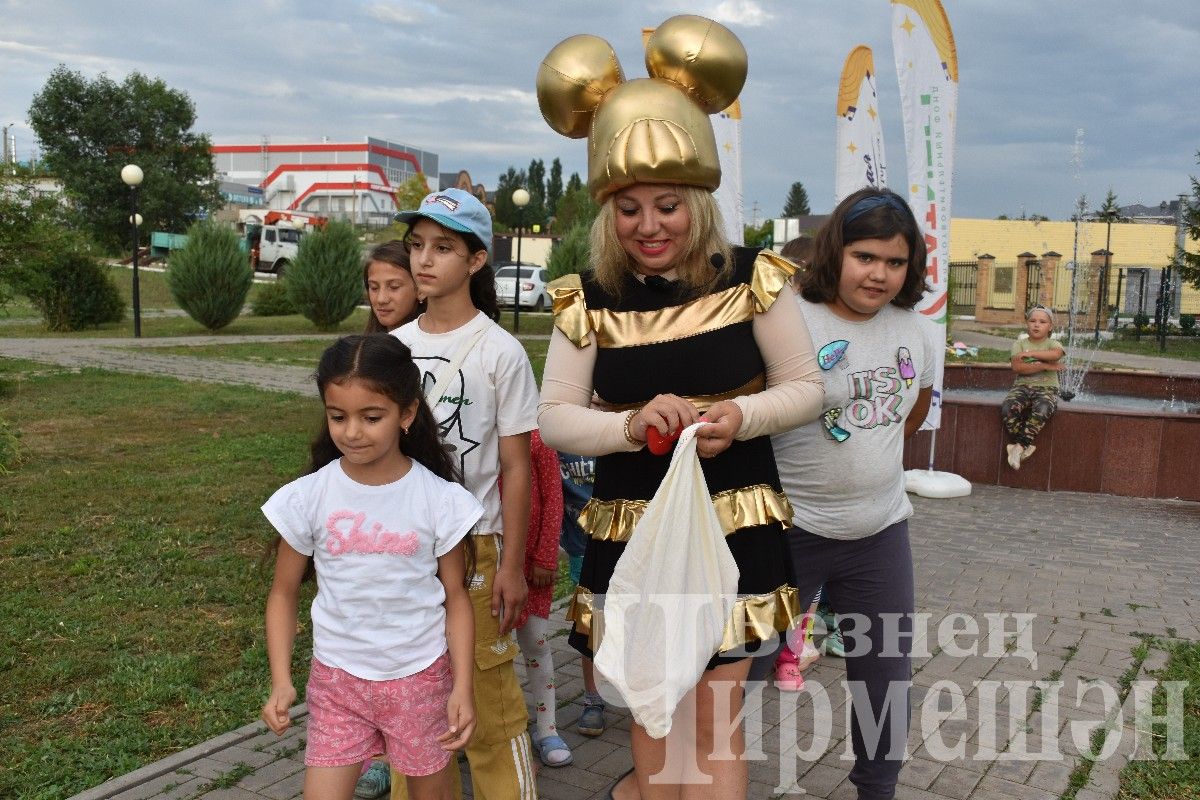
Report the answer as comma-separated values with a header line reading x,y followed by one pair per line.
x,y
706,238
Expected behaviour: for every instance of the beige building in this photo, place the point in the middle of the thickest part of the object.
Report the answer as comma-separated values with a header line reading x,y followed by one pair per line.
x,y
1001,267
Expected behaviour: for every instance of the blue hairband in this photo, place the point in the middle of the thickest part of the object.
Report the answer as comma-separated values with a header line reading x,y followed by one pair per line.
x,y
875,201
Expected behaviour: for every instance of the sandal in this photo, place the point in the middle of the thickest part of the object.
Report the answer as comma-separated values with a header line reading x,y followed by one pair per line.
x,y
553,751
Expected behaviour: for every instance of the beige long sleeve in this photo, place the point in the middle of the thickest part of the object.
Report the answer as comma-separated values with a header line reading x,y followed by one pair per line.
x,y
794,393
564,415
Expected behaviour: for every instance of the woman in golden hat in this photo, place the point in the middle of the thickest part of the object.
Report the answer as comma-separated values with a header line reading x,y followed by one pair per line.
x,y
669,324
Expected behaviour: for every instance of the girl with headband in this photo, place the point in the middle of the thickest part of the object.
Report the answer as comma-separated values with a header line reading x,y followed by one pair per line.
x,y
843,473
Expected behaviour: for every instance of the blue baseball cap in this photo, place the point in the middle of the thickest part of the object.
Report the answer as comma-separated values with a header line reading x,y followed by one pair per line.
x,y
454,209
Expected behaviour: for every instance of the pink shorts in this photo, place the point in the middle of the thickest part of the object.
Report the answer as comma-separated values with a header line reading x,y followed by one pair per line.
x,y
351,719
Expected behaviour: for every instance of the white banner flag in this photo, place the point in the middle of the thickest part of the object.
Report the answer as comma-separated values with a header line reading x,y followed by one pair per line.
x,y
927,66
860,160
727,127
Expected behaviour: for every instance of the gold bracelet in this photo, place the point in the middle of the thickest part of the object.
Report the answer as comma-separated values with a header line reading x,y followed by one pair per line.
x,y
628,433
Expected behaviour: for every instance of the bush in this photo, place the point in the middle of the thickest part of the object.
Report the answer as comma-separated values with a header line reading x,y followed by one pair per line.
x,y
1187,324
571,253
1140,321
73,292
271,300
325,282
210,277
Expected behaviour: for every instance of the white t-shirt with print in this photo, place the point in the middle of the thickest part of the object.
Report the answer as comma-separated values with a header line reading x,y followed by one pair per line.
x,y
843,472
493,395
379,612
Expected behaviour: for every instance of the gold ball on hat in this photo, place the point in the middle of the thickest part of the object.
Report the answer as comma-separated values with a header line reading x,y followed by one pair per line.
x,y
702,56
572,80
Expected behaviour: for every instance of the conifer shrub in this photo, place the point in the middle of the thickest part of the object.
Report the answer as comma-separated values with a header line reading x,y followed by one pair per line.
x,y
570,254
325,282
271,300
210,276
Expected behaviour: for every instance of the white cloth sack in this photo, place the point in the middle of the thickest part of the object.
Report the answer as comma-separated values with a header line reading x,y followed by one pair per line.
x,y
670,596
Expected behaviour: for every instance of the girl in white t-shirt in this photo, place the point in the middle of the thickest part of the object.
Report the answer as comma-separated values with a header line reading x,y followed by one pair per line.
x,y
386,528
843,473
485,408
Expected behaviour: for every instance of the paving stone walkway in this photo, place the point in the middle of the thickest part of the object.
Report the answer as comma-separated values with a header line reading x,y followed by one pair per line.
x,y
1012,586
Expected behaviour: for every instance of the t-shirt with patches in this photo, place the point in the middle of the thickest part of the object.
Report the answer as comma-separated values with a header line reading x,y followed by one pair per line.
x,y
843,473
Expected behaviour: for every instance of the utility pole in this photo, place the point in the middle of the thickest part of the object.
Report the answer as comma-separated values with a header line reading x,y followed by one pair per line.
x,y
10,148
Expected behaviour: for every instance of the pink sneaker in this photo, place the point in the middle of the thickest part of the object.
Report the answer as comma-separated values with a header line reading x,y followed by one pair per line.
x,y
808,656
788,677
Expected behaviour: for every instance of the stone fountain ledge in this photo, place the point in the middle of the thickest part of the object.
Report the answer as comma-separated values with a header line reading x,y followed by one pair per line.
x,y
1100,450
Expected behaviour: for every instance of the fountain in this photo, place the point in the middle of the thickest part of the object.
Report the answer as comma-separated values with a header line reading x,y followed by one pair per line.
x,y
1126,433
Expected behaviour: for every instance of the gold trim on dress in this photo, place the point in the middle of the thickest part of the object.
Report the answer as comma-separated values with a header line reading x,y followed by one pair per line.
x,y
761,616
754,617
570,310
702,315
771,273
614,520
702,402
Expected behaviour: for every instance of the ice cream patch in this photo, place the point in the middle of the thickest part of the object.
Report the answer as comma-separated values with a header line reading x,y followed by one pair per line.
x,y
832,353
904,362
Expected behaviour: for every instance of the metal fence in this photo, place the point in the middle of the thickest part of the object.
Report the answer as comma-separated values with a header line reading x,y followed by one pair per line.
x,y
964,276
1033,283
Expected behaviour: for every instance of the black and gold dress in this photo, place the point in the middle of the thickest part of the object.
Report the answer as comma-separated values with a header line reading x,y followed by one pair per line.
x,y
652,341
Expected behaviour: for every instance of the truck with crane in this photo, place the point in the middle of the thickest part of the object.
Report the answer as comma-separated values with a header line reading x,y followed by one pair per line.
x,y
272,237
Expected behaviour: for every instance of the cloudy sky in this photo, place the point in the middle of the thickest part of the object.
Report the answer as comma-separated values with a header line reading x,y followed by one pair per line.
x,y
457,78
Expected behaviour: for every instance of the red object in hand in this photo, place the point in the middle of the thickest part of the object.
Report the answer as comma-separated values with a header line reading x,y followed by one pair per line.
x,y
657,443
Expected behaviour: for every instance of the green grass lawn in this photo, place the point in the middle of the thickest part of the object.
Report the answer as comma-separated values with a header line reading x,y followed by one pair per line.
x,y
1148,346
1177,347
130,540
986,355
157,327
305,353
1171,780
130,547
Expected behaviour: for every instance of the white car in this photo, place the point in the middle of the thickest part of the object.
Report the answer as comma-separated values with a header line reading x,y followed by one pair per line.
x,y
533,282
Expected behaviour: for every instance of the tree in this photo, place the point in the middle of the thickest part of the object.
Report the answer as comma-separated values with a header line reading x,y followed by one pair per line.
x,y
410,193
797,202
554,187
325,283
535,212
574,182
510,181
90,129
208,277
570,254
33,231
1110,210
760,235
575,208
1189,263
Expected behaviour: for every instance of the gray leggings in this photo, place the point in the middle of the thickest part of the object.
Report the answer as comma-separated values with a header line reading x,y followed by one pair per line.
x,y
864,579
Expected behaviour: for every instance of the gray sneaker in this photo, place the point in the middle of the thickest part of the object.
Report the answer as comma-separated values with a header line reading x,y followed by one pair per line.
x,y
591,721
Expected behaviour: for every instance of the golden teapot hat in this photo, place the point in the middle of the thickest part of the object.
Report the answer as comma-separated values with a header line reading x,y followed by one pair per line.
x,y
647,130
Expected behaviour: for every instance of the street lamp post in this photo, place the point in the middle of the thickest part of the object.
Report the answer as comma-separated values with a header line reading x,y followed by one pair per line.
x,y
132,175
520,199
